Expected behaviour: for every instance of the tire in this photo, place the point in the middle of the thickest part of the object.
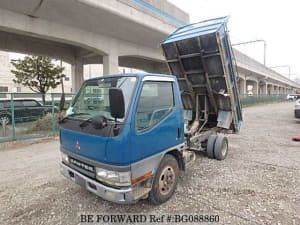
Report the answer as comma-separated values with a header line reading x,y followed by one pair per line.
x,y
168,171
6,118
221,147
210,146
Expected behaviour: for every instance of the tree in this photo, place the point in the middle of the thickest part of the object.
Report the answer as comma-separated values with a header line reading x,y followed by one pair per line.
x,y
39,73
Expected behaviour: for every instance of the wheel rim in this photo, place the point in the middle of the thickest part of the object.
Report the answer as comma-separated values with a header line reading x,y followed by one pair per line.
x,y
224,148
166,180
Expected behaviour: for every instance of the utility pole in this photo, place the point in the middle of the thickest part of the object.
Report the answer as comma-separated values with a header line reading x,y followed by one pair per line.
x,y
250,42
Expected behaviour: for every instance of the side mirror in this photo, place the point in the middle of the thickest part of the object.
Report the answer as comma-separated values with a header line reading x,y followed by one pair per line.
x,y
116,102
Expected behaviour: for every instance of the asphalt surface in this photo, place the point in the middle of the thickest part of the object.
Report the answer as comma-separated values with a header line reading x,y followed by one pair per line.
x,y
258,183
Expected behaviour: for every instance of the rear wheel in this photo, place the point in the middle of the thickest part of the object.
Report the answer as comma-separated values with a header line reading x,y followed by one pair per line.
x,y
221,147
210,146
165,180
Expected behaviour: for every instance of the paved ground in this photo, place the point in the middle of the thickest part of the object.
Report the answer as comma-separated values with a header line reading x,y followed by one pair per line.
x,y
20,129
259,182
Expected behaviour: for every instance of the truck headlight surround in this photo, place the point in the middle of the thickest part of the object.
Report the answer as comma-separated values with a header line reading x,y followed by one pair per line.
x,y
113,177
65,158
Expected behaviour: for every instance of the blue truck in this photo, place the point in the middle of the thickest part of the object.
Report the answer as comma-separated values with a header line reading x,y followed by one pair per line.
x,y
132,144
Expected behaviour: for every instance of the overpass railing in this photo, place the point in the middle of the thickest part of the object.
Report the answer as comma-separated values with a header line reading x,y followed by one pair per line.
x,y
241,58
24,115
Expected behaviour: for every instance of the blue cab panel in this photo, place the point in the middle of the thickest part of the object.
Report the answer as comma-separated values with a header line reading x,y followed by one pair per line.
x,y
162,136
130,145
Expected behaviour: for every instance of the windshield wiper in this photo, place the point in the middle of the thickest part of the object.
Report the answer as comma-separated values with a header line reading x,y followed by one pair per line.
x,y
98,122
71,115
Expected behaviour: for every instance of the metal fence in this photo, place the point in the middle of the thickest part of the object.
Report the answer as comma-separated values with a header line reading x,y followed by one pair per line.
x,y
248,100
26,115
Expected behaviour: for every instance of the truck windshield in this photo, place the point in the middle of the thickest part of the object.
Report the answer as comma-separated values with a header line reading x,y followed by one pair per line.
x,y
93,98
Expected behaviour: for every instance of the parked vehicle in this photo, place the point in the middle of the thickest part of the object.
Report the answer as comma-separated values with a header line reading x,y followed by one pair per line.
x,y
148,127
24,110
297,109
292,97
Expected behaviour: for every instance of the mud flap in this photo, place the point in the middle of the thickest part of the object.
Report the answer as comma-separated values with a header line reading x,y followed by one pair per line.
x,y
224,119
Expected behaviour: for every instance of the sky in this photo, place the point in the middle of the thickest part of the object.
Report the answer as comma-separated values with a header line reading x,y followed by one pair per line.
x,y
275,21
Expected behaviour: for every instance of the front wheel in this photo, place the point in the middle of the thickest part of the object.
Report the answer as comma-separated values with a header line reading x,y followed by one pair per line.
x,y
165,180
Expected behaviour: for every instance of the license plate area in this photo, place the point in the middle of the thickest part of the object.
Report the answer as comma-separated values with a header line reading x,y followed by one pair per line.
x,y
79,180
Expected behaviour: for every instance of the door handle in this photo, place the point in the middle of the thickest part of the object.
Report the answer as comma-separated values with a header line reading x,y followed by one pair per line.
x,y
178,133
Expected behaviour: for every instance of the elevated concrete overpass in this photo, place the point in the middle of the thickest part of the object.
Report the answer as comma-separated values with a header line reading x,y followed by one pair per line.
x,y
264,80
113,33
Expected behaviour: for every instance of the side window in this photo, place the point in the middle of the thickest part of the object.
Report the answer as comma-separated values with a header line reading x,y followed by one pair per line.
x,y
18,103
156,101
30,103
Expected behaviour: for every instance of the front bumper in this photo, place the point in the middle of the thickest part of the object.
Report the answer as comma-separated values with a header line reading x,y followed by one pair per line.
x,y
122,195
297,113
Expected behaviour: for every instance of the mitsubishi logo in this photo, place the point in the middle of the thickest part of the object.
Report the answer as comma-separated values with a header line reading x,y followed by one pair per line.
x,y
77,146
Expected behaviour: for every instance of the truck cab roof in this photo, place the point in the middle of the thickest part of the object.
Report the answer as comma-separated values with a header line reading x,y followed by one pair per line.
x,y
139,75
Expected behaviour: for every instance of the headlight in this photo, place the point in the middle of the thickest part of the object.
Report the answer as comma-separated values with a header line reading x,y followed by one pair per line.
x,y
65,158
297,106
113,177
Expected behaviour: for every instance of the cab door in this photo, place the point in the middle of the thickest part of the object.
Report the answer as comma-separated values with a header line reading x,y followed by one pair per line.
x,y
158,120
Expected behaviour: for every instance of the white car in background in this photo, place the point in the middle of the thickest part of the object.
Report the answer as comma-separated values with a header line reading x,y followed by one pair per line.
x,y
297,109
292,97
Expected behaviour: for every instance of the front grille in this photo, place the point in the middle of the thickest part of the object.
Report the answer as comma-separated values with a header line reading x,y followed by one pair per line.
x,y
84,166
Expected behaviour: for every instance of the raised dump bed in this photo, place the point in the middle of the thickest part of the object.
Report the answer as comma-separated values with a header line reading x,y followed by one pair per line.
x,y
201,57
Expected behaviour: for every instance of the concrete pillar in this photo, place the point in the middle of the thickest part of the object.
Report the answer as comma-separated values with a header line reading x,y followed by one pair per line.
x,y
269,89
242,86
255,88
276,90
77,75
272,89
263,89
110,64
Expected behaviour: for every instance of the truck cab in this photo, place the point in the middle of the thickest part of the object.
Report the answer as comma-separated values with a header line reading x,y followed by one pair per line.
x,y
117,156
126,137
